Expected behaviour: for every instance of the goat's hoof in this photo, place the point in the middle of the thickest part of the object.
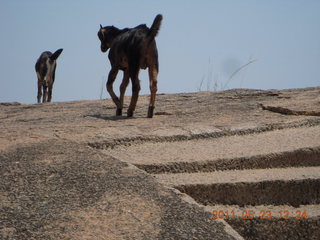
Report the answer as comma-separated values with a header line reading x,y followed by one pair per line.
x,y
119,112
150,111
130,113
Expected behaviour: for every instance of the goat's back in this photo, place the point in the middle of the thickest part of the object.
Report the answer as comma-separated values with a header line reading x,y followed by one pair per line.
x,y
133,44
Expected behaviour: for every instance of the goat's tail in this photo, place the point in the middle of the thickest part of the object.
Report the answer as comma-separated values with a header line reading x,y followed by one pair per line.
x,y
56,54
155,27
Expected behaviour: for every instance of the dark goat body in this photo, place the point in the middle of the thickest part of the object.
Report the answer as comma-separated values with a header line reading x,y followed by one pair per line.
x,y
46,68
131,49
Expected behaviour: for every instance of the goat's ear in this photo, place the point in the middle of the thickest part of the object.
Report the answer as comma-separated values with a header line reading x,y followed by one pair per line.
x,y
56,54
101,26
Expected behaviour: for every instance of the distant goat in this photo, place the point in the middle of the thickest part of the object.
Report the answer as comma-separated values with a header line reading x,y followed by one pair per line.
x,y
131,49
46,68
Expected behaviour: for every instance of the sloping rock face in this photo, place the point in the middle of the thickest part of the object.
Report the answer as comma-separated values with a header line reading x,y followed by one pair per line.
x,y
236,164
63,190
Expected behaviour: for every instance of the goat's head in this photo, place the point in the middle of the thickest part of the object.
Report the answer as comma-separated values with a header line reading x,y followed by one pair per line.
x,y
106,36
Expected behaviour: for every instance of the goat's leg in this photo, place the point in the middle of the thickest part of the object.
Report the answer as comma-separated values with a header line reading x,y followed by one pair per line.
x,y
49,93
153,73
45,93
135,91
39,89
123,87
112,76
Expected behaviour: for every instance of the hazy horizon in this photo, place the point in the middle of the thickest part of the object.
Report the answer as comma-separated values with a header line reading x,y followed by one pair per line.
x,y
201,45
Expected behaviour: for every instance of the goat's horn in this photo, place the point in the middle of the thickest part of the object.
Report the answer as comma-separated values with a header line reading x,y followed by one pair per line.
x,y
101,26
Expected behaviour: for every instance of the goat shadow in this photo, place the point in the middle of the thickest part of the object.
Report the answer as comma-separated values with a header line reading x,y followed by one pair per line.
x,y
111,118
119,118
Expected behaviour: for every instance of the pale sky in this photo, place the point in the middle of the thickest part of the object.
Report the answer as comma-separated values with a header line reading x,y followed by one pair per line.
x,y
200,44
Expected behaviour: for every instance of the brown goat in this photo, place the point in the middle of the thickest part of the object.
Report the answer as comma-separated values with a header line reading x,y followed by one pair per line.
x,y
131,49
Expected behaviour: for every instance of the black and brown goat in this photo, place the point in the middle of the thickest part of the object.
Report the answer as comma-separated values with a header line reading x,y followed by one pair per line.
x,y
46,68
131,49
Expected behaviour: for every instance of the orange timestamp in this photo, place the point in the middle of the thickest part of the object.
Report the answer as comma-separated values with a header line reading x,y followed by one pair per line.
x,y
261,214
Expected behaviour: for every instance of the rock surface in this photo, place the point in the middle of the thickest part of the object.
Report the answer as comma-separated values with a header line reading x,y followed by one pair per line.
x,y
72,170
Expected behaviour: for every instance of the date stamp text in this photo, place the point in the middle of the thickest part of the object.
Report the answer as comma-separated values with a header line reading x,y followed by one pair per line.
x,y
261,214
